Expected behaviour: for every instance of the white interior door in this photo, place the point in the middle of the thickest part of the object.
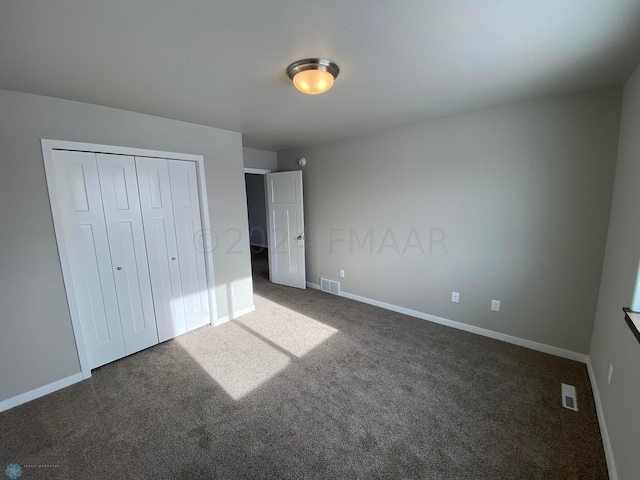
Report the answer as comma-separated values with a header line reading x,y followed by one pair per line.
x,y
85,237
286,229
186,214
162,248
119,185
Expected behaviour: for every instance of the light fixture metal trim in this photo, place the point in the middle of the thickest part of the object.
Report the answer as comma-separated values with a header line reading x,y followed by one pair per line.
x,y
313,64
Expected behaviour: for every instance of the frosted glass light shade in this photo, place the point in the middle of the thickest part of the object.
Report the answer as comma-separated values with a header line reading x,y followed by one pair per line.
x,y
313,75
313,81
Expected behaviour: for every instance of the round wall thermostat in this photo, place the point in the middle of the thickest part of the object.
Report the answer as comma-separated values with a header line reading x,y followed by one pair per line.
x,y
302,161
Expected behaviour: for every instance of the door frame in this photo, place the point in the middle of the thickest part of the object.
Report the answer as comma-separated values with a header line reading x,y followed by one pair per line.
x,y
48,146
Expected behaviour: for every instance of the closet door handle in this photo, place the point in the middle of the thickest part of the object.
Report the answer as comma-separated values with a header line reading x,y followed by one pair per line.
x,y
173,258
119,268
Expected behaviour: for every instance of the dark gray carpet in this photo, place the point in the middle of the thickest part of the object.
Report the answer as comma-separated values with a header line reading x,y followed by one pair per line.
x,y
315,386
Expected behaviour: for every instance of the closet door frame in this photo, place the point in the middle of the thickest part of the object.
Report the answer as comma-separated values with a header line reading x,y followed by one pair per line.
x,y
48,147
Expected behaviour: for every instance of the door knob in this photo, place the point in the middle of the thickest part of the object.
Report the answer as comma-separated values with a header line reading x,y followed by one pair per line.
x,y
173,258
299,237
119,268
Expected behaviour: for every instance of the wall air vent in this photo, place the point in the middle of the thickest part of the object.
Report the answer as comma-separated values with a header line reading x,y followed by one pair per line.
x,y
330,286
569,398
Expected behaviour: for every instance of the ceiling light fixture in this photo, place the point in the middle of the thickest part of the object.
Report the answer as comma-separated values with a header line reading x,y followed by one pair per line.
x,y
313,75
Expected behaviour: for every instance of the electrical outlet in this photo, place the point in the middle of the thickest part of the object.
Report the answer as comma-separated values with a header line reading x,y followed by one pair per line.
x,y
610,373
495,305
341,273
455,297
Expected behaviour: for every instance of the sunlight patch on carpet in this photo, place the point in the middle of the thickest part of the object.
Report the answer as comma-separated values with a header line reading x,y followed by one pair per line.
x,y
237,360
244,354
292,331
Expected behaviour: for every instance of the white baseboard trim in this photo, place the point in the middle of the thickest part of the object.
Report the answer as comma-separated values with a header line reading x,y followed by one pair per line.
x,y
221,320
242,312
540,347
234,315
40,392
604,433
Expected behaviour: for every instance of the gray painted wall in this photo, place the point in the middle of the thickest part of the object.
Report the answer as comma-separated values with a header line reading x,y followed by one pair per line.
x,y
256,205
263,159
510,203
36,340
613,342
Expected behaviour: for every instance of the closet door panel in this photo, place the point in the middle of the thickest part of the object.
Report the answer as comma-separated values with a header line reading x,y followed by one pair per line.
x,y
162,250
78,188
186,213
123,217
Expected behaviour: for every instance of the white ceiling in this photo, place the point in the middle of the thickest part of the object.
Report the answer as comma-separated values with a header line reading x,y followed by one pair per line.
x,y
222,62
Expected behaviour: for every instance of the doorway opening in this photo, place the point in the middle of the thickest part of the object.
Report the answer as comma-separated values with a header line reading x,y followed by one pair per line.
x,y
277,196
254,180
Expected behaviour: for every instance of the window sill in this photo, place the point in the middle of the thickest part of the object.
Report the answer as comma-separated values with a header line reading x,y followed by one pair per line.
x,y
633,320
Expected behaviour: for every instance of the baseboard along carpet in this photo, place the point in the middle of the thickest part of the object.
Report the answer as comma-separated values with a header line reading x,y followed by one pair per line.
x,y
312,385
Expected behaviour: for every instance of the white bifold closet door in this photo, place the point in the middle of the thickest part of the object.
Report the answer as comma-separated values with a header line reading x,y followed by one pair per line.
x,y
119,186
133,237
186,214
171,215
106,250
